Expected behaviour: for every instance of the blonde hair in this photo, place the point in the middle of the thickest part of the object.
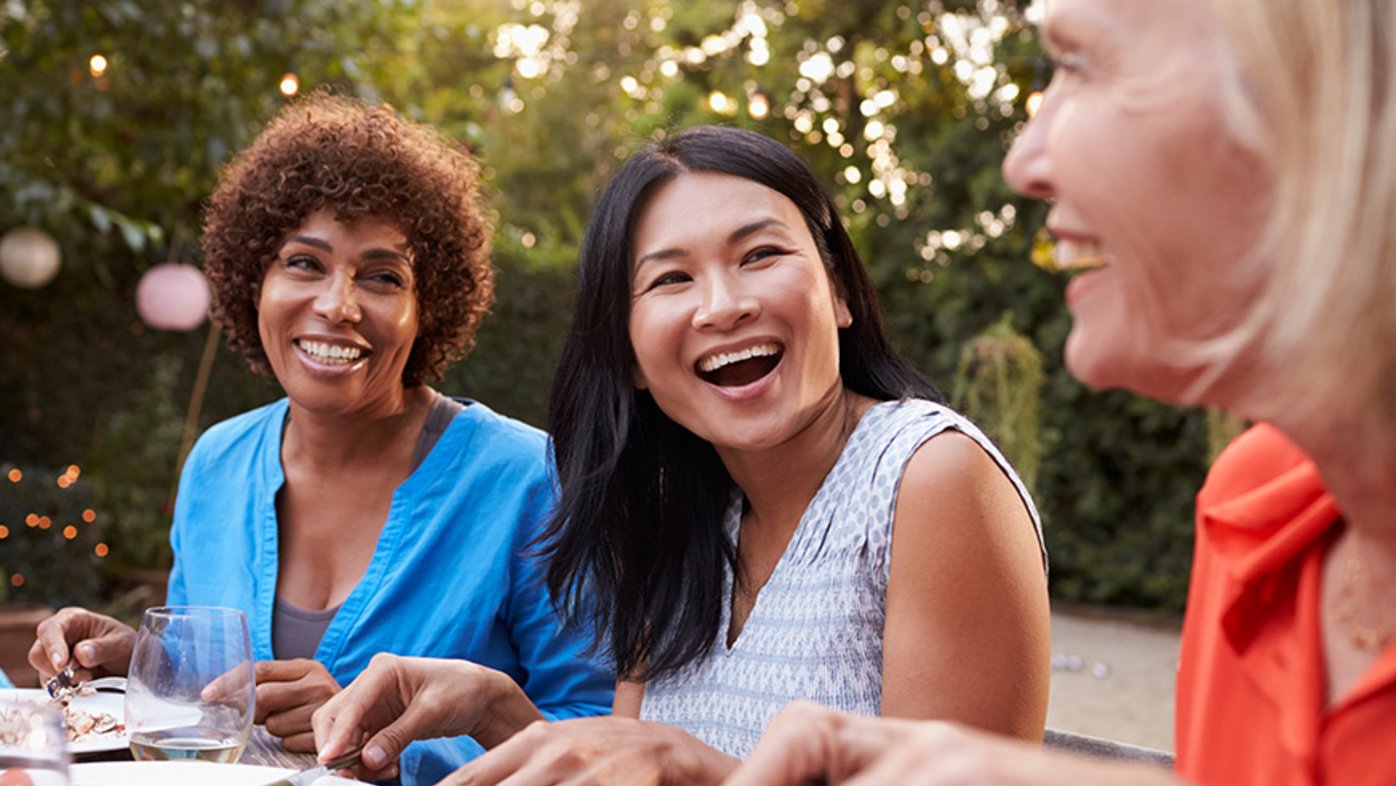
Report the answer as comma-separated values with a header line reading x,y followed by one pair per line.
x,y
1317,79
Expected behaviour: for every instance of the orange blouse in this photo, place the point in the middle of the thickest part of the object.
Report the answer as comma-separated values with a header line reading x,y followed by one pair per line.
x,y
1251,683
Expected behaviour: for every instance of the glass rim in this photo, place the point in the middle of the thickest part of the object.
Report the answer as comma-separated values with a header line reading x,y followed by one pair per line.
x,y
194,611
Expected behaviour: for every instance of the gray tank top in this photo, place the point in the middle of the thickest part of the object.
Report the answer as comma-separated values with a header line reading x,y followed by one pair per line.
x,y
296,632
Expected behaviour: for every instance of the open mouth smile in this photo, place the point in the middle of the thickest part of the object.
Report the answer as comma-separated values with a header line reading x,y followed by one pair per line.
x,y
740,367
1078,255
329,354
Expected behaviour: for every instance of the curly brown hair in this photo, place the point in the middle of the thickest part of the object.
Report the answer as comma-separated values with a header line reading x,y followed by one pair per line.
x,y
331,152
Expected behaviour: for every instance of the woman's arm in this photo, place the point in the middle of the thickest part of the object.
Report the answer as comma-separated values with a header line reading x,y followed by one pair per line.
x,y
967,634
629,697
807,743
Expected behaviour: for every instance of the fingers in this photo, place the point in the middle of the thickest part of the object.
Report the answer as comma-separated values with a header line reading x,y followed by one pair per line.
x,y
303,742
302,686
342,721
387,745
504,761
799,746
95,643
291,722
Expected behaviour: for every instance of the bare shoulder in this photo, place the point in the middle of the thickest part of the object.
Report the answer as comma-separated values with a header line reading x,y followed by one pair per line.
x,y
954,493
953,463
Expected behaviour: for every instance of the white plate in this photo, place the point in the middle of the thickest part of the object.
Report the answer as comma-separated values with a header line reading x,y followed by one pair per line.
x,y
181,773
113,703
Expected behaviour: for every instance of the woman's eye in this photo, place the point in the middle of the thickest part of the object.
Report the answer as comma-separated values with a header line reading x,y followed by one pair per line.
x,y
1068,64
390,279
764,252
668,279
302,262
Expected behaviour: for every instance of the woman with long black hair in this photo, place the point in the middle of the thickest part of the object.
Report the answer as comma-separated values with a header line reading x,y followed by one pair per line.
x,y
760,500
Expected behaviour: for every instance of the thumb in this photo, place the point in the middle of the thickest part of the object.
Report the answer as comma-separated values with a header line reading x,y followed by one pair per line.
x,y
111,652
388,744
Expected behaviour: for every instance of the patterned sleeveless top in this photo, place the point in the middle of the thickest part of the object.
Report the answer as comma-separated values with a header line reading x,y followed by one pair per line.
x,y
816,630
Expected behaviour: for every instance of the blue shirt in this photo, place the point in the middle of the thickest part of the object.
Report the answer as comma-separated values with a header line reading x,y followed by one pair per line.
x,y
5,681
448,579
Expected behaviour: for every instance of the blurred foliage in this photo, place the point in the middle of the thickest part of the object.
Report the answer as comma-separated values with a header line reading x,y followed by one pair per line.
x,y
904,108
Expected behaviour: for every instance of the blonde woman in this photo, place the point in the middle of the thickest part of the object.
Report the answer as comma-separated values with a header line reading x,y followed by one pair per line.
x,y
1224,174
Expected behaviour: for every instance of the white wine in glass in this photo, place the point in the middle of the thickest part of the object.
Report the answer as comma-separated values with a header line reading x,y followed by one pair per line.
x,y
190,689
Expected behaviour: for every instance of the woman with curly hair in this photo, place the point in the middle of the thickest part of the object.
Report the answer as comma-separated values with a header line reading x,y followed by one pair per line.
x,y
364,513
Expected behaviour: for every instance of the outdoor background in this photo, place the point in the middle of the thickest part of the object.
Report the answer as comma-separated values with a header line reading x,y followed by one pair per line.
x,y
905,110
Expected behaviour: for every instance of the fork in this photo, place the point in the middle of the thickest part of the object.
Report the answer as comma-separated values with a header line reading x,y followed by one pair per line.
x,y
63,685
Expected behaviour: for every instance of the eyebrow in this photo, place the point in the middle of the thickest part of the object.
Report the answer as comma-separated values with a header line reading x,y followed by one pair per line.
x,y
737,236
373,253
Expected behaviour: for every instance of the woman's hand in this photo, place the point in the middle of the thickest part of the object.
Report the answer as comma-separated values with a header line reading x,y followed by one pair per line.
x,y
807,743
595,751
97,644
288,693
397,700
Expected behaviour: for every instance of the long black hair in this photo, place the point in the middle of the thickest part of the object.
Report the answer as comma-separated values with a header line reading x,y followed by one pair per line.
x,y
637,540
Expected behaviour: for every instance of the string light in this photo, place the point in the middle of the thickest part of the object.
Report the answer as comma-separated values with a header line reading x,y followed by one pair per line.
x,y
101,550
89,515
290,84
721,103
15,475
1039,78
4,532
758,104
97,64
70,532
1034,103
17,580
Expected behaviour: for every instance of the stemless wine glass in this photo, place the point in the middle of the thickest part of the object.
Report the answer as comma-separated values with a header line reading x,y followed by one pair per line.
x,y
33,744
190,689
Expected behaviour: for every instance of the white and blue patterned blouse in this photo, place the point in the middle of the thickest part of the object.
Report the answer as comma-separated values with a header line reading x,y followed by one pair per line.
x,y
816,630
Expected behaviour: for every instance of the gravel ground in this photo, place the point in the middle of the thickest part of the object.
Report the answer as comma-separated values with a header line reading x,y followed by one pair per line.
x,y
1112,675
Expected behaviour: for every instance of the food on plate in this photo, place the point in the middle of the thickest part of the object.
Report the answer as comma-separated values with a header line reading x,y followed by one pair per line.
x,y
84,723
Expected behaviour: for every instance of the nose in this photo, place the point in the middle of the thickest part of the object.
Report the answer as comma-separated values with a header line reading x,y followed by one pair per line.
x,y
725,304
1027,168
338,300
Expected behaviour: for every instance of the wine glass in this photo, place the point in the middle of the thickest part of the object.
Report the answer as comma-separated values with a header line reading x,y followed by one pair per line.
x,y
33,744
190,689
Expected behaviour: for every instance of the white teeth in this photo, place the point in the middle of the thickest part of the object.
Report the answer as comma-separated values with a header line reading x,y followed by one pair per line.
x,y
332,354
715,362
1079,255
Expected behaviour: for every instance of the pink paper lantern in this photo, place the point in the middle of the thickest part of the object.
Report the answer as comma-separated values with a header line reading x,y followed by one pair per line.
x,y
172,297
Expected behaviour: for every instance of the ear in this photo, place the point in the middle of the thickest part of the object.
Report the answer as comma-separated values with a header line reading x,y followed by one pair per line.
x,y
842,316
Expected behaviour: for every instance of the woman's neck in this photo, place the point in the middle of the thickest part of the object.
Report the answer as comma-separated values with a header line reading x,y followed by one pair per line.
x,y
780,481
1363,482
342,439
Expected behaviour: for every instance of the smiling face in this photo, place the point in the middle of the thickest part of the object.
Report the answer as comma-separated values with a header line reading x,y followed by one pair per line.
x,y
733,320
1132,147
337,314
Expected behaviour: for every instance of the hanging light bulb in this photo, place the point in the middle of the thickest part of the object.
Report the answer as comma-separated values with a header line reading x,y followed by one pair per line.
x,y
97,64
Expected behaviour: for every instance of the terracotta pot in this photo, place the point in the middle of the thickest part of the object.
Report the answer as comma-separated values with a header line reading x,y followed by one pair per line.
x,y
17,625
